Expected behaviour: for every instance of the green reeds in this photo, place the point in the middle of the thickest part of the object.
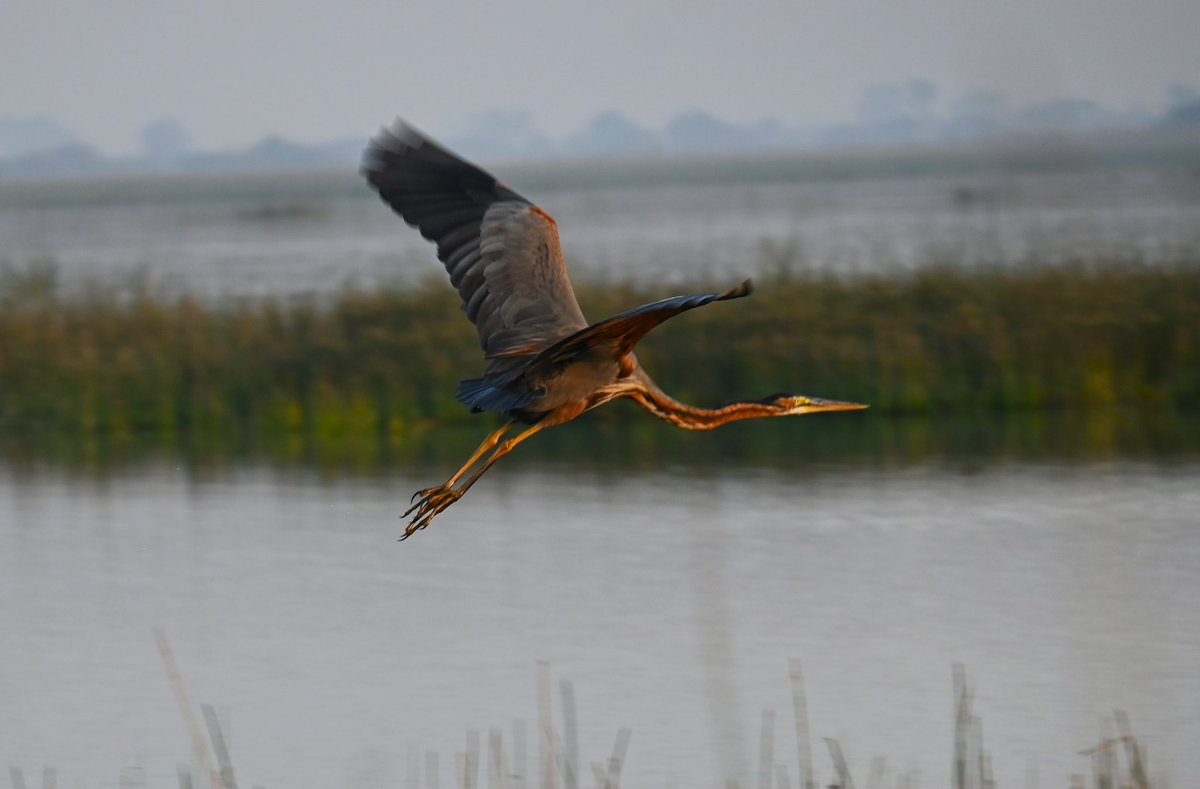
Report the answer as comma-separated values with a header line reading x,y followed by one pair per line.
x,y
385,363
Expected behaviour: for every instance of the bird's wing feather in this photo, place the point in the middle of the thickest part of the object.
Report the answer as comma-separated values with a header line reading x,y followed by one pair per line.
x,y
620,333
612,338
501,251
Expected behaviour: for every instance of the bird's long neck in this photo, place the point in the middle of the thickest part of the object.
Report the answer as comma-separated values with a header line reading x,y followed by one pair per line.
x,y
690,417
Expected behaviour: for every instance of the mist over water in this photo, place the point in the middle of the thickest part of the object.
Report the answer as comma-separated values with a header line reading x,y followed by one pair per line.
x,y
312,234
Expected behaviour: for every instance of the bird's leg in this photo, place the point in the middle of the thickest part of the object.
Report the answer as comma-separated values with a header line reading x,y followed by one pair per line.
x,y
489,442
435,500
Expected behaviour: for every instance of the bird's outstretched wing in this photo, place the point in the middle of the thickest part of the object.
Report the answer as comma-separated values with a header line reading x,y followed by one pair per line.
x,y
502,252
620,333
612,338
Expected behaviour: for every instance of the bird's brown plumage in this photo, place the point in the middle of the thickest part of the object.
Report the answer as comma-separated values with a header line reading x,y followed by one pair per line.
x,y
545,364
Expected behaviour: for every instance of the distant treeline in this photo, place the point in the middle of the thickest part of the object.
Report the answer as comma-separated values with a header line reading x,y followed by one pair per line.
x,y
382,363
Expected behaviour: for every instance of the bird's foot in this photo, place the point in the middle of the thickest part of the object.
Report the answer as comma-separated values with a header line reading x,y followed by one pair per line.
x,y
429,502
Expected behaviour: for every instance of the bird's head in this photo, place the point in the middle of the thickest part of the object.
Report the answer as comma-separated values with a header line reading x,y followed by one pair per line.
x,y
793,404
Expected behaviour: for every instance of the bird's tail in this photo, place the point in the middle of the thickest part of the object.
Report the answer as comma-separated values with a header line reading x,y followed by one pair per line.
x,y
480,394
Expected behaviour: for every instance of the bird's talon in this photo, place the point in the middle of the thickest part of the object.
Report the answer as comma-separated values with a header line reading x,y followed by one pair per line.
x,y
423,492
419,500
430,503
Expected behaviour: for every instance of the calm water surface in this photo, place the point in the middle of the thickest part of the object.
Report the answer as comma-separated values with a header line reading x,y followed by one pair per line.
x,y
306,234
672,598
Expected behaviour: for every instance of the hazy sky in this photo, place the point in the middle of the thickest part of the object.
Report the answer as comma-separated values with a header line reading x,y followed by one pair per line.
x,y
234,70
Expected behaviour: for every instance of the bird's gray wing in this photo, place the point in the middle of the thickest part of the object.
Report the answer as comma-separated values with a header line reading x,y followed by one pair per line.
x,y
611,338
501,251
616,336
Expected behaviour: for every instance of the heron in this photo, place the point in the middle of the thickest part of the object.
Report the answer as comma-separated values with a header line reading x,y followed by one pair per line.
x,y
545,364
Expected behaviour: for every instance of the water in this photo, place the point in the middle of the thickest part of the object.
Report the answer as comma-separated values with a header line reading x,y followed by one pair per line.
x,y
672,587
304,234
673,597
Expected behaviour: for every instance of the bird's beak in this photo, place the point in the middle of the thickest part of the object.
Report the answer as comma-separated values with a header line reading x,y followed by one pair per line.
x,y
816,405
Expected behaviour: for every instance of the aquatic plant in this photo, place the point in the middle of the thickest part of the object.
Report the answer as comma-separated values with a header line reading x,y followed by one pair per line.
x,y
1089,336
1118,760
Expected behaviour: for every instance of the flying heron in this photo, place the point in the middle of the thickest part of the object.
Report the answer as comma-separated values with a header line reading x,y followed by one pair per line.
x,y
546,364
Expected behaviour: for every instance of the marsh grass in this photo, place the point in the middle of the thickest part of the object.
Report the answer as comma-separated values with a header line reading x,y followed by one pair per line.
x,y
114,362
1118,761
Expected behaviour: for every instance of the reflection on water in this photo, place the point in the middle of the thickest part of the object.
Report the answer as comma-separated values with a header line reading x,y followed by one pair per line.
x,y
672,598
622,437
